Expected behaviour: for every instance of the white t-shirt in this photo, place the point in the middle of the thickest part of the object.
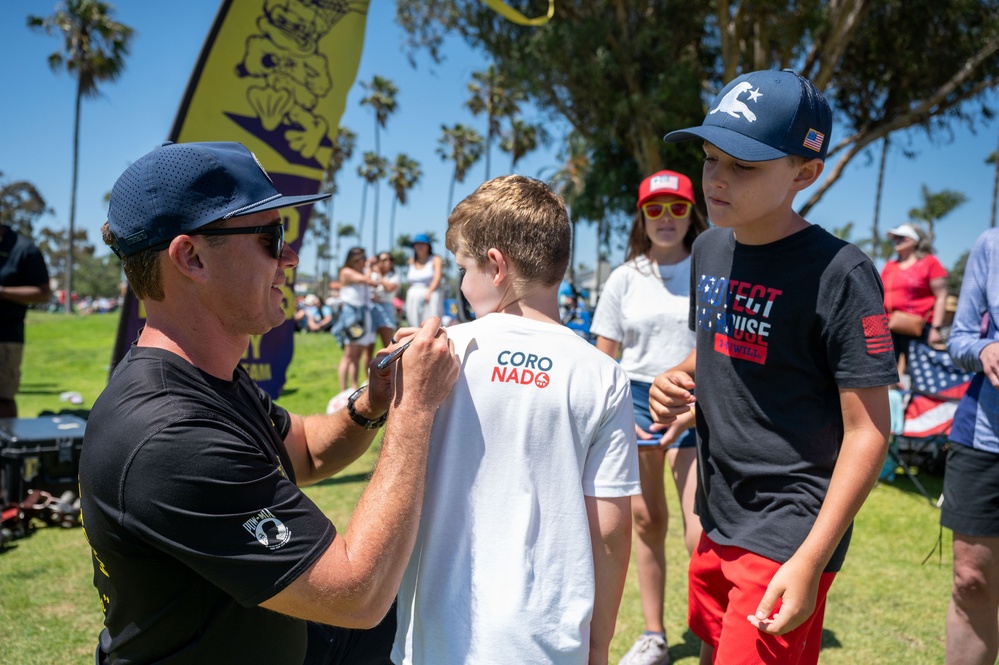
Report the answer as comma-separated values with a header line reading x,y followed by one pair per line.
x,y
647,311
357,294
502,571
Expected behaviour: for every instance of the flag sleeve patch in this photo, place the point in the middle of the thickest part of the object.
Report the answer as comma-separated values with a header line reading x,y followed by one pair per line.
x,y
877,335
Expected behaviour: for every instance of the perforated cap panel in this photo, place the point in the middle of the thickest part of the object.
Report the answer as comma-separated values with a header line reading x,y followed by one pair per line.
x,y
178,188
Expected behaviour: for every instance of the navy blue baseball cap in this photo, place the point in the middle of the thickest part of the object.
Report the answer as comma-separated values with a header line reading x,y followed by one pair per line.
x,y
766,115
180,187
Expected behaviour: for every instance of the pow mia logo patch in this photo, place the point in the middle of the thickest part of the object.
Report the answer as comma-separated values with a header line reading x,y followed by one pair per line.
x,y
268,530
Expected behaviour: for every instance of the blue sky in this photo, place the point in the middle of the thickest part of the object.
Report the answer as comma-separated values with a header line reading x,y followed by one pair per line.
x,y
135,114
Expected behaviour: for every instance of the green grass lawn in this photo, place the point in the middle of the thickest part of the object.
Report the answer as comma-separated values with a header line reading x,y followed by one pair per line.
x,y
886,606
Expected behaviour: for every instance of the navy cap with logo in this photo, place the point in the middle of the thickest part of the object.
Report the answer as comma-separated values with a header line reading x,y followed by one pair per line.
x,y
766,115
178,188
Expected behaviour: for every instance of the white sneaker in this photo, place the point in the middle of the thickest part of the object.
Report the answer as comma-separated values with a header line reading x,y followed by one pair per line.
x,y
647,650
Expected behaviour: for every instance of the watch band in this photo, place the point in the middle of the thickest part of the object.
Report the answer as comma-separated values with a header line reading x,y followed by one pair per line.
x,y
358,418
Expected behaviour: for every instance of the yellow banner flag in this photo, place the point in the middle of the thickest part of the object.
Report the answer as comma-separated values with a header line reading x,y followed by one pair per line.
x,y
274,76
511,14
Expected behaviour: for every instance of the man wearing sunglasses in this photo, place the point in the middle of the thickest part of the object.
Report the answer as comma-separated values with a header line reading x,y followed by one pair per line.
x,y
204,548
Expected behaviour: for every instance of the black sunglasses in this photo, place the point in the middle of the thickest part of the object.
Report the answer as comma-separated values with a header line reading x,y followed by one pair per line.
x,y
275,231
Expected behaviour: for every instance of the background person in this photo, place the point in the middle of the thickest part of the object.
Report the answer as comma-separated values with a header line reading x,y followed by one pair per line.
x,y
792,361
916,284
526,528
24,280
971,478
205,550
318,316
642,315
354,329
423,296
382,308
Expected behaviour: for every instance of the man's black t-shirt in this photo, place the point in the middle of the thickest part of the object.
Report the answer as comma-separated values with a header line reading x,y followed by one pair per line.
x,y
190,506
781,328
21,264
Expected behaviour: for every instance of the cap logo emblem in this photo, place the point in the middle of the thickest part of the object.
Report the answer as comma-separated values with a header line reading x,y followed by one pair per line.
x,y
670,182
731,104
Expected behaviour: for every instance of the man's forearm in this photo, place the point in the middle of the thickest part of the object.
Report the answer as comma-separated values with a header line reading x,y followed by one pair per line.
x,y
355,581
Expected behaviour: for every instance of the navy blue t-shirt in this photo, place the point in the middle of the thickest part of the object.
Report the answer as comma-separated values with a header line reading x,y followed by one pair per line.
x,y
781,328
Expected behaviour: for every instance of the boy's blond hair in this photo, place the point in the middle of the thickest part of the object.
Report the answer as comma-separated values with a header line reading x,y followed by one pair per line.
x,y
521,217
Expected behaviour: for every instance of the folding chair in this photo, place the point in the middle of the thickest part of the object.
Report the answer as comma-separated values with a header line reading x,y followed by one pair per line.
x,y
937,385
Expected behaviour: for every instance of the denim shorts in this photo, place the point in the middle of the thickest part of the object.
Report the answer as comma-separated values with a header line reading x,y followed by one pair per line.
x,y
643,418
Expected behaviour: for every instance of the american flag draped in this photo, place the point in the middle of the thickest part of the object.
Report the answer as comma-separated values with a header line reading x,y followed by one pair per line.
x,y
937,387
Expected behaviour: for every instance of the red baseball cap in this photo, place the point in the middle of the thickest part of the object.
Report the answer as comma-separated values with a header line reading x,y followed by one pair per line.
x,y
665,182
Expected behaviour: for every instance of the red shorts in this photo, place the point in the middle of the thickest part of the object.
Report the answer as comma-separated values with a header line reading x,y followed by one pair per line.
x,y
725,585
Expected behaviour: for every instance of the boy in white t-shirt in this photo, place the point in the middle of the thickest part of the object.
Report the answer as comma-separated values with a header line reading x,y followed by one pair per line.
x,y
524,540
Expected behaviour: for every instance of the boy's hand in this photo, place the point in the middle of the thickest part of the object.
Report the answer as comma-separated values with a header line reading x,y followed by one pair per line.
x,y
668,434
793,592
670,396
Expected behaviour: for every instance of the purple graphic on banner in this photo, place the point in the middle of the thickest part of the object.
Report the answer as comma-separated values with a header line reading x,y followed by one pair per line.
x,y
289,107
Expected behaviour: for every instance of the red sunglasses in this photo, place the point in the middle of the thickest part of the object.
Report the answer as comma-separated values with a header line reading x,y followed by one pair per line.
x,y
677,209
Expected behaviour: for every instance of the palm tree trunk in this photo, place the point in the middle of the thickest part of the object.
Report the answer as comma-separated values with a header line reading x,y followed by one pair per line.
x,y
450,194
572,248
329,240
875,238
374,224
391,242
596,266
72,198
364,200
489,149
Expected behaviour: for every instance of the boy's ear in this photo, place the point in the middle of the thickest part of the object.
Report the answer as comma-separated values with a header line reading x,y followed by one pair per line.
x,y
498,264
808,173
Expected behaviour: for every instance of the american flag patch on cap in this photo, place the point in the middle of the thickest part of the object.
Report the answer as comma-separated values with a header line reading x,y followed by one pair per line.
x,y
813,140
877,335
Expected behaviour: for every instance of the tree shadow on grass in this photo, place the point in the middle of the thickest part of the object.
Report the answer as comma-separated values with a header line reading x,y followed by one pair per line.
x,y
32,388
690,648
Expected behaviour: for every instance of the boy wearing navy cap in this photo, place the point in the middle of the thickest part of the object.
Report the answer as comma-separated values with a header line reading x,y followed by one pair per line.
x,y
792,362
205,550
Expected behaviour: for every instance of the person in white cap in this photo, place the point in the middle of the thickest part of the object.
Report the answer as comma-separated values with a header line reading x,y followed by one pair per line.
x,y
205,550
915,285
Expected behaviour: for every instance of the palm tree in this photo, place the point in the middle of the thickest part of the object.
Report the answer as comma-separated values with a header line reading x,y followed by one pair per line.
x,y
372,171
463,146
381,99
343,150
93,50
936,206
403,176
875,237
492,95
343,231
569,181
522,138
